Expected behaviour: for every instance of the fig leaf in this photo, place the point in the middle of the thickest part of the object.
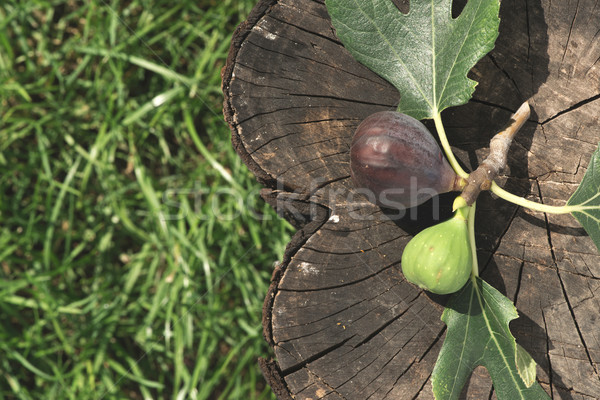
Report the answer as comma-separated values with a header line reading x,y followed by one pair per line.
x,y
587,196
478,334
426,54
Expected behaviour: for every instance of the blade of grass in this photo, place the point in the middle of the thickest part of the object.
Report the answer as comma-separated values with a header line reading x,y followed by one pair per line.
x,y
140,62
55,212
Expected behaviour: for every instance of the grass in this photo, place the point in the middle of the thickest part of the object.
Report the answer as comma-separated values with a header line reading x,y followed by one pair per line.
x,y
133,263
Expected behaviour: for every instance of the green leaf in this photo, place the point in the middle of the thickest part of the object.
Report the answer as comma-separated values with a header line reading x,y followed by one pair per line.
x,y
477,318
588,195
425,54
525,365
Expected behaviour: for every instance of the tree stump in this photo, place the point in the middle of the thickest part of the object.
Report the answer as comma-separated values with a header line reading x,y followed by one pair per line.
x,y
342,321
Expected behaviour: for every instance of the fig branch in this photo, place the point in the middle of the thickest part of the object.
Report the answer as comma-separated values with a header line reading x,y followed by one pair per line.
x,y
483,177
488,170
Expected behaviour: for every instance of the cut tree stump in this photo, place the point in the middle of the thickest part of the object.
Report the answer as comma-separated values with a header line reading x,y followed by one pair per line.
x,y
339,316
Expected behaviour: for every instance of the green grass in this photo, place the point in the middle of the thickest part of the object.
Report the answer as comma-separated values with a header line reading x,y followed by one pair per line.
x,y
132,261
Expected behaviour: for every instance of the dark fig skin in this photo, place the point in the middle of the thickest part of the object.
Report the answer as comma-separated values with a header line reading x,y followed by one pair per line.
x,y
397,159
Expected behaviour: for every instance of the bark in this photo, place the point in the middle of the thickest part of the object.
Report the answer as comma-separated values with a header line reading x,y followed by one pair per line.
x,y
339,316
482,178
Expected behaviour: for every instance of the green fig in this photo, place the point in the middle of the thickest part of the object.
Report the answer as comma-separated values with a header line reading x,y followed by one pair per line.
x,y
438,259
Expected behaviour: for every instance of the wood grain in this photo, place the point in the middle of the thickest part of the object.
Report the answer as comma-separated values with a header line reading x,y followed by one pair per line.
x,y
342,321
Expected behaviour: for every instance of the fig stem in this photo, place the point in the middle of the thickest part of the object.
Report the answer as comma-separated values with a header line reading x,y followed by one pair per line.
x,y
535,206
439,127
471,227
459,204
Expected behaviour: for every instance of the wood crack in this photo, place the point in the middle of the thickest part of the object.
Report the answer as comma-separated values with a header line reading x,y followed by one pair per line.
x,y
300,28
420,389
572,108
520,278
262,114
570,32
259,72
336,98
379,329
304,363
398,378
503,71
328,316
490,104
370,363
550,371
345,284
497,244
564,291
528,31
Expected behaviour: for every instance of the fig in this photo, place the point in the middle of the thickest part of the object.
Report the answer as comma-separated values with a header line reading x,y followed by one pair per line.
x,y
439,258
397,159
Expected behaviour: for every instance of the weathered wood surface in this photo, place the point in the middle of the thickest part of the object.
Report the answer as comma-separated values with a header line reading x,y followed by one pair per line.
x,y
341,320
